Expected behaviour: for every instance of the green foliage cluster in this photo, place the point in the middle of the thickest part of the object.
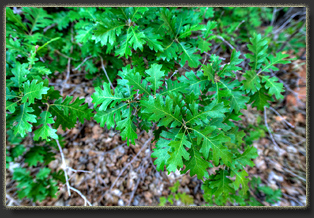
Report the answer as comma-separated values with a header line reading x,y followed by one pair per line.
x,y
194,112
44,183
142,48
33,107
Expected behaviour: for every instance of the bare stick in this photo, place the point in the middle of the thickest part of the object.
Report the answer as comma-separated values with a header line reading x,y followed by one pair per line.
x,y
139,179
290,37
221,38
64,167
288,21
67,76
239,25
80,193
174,73
12,200
82,171
82,63
134,190
103,67
271,135
49,27
63,55
273,18
60,84
289,171
289,124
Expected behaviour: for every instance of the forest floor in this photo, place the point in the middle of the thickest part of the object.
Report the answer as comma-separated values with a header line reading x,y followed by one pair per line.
x,y
120,175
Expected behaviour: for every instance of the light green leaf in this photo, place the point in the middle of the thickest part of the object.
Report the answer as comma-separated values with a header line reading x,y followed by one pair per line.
x,y
152,40
43,173
279,59
174,86
274,87
107,30
22,118
212,110
127,127
110,116
189,56
67,113
45,131
178,152
203,45
167,111
244,159
161,152
135,81
251,82
260,99
214,142
104,97
258,48
19,72
195,84
155,75
137,39
221,183
240,180
34,155
196,164
33,90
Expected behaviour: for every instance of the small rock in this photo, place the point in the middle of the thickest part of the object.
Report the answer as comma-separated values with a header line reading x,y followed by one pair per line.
x,y
54,164
111,133
148,196
107,140
136,200
90,166
121,202
60,203
116,192
292,149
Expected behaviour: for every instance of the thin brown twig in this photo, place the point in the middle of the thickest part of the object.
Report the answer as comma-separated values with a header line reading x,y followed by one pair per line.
x,y
289,124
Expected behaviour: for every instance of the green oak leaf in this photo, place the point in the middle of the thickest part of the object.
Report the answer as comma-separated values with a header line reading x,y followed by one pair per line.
x,y
274,87
33,90
23,117
45,130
